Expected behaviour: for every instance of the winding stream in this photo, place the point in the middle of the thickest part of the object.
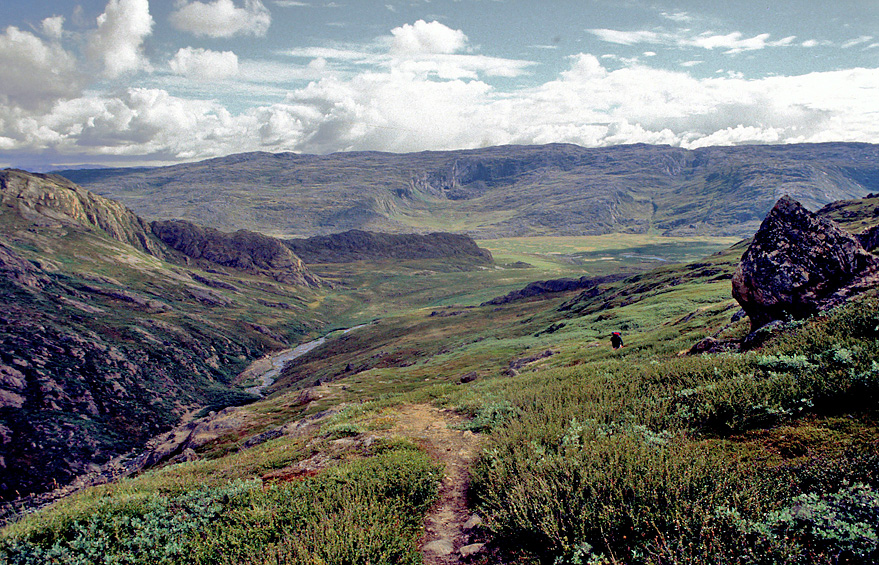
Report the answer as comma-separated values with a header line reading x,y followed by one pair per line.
x,y
278,360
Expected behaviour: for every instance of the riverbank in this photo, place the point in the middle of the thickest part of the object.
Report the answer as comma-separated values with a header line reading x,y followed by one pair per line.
x,y
266,369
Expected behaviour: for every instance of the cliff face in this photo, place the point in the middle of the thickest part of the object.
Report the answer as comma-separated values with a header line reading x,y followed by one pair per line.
x,y
53,201
357,245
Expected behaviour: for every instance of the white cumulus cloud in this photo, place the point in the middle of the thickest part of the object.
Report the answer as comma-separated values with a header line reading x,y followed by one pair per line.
x,y
421,87
204,64
34,73
426,38
118,41
222,18
53,27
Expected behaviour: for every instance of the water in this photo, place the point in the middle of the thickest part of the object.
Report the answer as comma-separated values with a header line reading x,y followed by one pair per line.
x,y
280,359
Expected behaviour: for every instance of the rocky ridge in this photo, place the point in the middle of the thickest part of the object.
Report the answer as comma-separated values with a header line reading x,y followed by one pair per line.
x,y
542,288
243,250
54,201
555,189
359,245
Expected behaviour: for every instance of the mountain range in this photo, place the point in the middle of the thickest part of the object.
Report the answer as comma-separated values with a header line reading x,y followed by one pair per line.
x,y
497,192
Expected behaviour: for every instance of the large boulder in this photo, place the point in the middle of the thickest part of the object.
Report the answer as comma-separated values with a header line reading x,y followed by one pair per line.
x,y
799,264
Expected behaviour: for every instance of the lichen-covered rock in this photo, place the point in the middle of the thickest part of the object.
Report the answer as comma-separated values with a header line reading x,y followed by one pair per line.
x,y
799,264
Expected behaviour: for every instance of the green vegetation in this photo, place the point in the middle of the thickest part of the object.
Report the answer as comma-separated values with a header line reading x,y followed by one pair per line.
x,y
642,455
365,511
696,460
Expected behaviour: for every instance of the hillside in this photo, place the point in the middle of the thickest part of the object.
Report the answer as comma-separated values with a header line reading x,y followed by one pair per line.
x,y
576,452
499,191
115,328
108,335
465,413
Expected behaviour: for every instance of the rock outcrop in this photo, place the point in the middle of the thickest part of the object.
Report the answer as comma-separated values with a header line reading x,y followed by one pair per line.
x,y
540,288
53,201
358,245
799,264
243,250
19,271
869,238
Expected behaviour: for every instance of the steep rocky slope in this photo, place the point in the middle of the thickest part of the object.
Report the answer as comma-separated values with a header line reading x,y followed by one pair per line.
x,y
243,250
50,201
106,335
498,191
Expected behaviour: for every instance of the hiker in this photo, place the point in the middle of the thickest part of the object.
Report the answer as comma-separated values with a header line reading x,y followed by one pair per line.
x,y
616,340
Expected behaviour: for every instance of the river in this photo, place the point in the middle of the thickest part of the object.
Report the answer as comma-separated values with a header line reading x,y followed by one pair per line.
x,y
278,360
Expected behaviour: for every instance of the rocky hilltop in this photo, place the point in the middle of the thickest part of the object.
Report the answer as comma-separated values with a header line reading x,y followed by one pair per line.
x,y
108,335
498,191
358,245
48,201
243,250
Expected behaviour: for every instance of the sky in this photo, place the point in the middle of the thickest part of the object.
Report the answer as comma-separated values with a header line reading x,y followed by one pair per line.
x,y
140,82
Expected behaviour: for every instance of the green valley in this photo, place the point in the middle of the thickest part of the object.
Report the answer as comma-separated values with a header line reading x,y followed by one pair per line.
x,y
461,420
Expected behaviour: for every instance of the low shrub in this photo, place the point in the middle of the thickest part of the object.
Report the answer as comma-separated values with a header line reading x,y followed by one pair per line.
x,y
840,527
490,416
369,510
145,529
630,461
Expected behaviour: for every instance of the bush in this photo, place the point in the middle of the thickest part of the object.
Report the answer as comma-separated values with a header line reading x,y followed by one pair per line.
x,y
842,527
490,416
612,488
147,529
369,511
365,511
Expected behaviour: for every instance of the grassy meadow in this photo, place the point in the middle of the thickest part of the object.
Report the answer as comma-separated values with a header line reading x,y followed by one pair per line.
x,y
641,455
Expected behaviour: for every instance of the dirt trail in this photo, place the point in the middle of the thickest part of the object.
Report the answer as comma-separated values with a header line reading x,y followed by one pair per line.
x,y
449,524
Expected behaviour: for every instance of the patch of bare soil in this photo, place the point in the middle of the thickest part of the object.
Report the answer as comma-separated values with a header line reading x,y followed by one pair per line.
x,y
449,526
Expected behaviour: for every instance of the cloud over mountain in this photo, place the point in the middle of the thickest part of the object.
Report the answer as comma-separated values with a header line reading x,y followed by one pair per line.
x,y
120,84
